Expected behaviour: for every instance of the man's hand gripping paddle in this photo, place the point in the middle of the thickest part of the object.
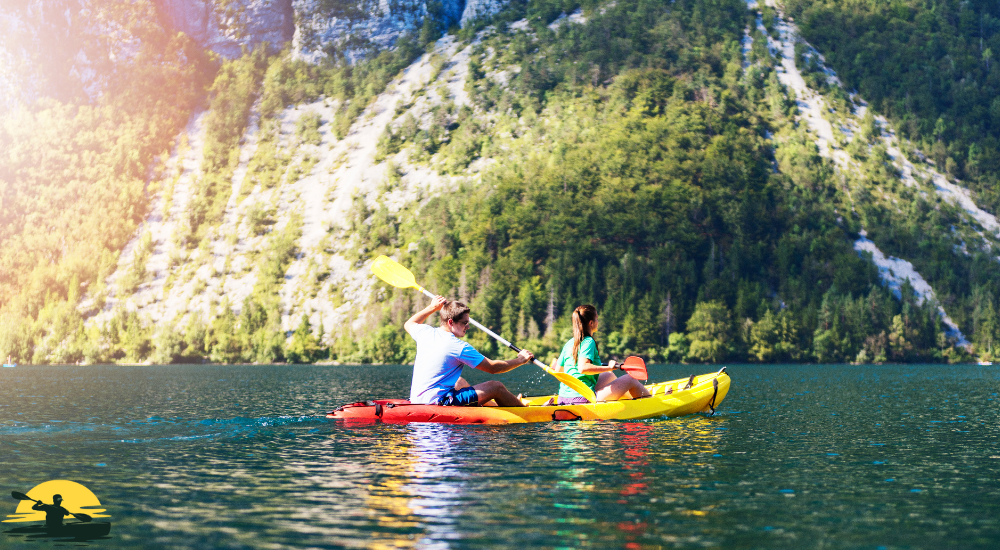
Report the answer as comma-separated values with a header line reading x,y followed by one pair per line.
x,y
21,496
393,273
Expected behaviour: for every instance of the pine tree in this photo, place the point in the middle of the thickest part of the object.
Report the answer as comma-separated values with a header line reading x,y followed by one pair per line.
x,y
463,287
668,319
550,313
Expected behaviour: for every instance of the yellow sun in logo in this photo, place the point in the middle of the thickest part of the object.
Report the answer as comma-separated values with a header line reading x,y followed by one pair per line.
x,y
77,499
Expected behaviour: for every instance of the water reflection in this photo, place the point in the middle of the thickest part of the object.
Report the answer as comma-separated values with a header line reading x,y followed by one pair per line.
x,y
417,496
388,501
635,439
436,483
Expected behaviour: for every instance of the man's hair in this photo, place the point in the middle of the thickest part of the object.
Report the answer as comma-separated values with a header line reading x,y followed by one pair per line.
x,y
453,311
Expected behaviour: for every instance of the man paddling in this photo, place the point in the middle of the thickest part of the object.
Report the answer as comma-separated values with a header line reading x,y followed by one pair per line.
x,y
437,369
54,513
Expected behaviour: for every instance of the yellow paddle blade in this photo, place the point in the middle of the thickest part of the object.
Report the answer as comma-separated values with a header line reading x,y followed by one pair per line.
x,y
392,272
573,382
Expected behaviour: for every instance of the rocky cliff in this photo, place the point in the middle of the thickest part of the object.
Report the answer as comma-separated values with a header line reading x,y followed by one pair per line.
x,y
317,28
349,30
480,9
67,48
227,26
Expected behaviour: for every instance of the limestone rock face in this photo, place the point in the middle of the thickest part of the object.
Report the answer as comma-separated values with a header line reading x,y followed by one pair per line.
x,y
227,27
347,29
351,29
66,48
478,9
63,49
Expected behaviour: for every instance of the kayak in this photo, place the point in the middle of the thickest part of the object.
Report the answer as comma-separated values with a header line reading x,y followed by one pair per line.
x,y
10,366
695,394
78,531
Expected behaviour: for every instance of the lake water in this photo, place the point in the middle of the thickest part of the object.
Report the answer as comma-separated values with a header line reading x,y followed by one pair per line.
x,y
240,457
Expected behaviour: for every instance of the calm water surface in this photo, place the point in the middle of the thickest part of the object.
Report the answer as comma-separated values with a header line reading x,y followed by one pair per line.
x,y
241,457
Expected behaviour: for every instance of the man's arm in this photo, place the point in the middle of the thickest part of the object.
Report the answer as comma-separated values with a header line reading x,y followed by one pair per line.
x,y
419,317
493,366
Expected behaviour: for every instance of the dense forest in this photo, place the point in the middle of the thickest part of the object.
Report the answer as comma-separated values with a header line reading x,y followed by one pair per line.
x,y
927,66
640,161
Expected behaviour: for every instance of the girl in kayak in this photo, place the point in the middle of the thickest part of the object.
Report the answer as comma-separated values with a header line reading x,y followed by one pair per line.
x,y
580,358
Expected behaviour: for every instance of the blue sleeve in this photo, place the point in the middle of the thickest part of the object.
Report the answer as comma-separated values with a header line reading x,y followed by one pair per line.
x,y
469,356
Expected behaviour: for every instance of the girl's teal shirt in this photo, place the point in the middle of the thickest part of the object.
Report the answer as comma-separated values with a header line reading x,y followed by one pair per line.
x,y
588,350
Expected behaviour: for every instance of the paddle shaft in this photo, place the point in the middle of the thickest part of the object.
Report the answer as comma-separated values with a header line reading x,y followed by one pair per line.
x,y
21,496
495,336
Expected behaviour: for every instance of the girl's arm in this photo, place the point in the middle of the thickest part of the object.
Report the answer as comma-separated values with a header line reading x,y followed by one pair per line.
x,y
587,367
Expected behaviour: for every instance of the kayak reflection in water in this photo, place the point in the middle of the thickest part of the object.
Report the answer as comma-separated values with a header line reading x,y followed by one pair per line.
x,y
54,513
587,365
441,355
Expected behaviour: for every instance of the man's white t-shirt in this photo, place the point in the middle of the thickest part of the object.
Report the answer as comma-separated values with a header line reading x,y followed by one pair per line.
x,y
440,357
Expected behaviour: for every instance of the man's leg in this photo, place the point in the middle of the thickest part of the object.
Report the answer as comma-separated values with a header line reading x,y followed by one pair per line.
x,y
497,391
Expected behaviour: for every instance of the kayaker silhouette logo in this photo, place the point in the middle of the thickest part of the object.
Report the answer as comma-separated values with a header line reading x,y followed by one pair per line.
x,y
53,502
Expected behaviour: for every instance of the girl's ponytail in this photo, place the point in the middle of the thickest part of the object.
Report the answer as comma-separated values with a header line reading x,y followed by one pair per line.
x,y
582,316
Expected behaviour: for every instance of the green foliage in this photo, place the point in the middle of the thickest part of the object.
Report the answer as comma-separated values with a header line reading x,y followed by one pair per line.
x,y
288,82
626,165
302,168
927,65
136,273
254,335
356,85
677,349
623,183
987,325
303,346
234,91
260,218
221,340
769,17
877,327
773,338
307,128
710,331
258,337
266,167
167,345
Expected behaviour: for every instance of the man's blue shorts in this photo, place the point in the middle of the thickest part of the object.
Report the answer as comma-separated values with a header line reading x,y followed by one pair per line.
x,y
459,398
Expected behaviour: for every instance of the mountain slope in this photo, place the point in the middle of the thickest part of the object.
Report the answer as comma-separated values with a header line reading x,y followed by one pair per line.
x,y
692,168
